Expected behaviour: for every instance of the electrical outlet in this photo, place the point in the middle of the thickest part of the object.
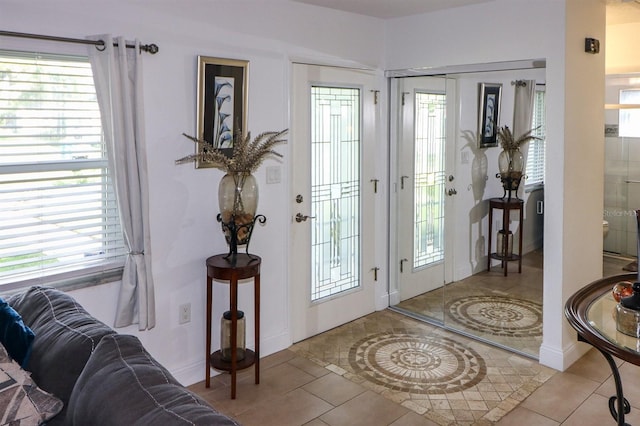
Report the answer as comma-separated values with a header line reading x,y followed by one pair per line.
x,y
184,315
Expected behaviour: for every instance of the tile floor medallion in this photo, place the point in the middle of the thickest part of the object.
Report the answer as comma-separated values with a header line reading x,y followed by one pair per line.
x,y
496,315
445,377
408,361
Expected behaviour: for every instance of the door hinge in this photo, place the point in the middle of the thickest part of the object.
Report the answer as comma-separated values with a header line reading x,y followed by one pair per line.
x,y
375,96
375,273
402,178
402,264
375,185
403,95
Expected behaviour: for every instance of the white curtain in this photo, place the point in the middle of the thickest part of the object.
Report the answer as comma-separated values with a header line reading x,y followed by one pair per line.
x,y
117,72
523,110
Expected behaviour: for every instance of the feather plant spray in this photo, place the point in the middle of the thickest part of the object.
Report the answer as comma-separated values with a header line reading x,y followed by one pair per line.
x,y
247,155
510,143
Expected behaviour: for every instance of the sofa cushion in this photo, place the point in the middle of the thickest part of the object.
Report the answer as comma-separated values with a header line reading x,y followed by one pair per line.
x,y
66,335
121,373
22,403
15,336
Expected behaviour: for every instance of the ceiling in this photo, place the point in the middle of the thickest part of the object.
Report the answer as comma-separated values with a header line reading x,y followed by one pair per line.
x,y
391,8
618,11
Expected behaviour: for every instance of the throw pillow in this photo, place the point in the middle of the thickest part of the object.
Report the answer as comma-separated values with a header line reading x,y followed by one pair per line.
x,y
22,403
15,336
66,336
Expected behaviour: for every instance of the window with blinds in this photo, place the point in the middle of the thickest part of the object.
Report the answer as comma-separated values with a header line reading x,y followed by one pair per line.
x,y
629,118
535,157
58,215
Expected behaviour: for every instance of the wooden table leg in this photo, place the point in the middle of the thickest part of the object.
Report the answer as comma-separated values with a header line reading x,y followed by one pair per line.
x,y
256,310
520,239
505,238
489,237
208,348
234,332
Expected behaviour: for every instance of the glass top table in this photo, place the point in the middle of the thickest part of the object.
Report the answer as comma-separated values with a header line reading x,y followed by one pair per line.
x,y
591,312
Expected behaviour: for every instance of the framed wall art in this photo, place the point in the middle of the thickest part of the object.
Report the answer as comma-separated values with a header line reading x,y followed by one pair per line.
x,y
488,114
222,101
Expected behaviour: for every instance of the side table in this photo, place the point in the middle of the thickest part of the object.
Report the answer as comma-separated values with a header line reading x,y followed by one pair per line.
x,y
506,205
228,268
590,311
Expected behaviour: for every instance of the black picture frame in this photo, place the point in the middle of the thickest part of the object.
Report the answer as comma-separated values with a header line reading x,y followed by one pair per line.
x,y
222,102
488,114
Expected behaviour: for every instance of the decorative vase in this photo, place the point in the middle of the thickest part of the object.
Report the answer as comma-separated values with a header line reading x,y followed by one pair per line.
x,y
238,199
511,165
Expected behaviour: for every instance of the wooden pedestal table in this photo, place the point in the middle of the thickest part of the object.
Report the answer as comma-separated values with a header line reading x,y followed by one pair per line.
x,y
222,267
506,205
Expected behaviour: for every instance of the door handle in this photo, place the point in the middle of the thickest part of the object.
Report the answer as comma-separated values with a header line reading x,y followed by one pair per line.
x,y
402,264
452,191
303,217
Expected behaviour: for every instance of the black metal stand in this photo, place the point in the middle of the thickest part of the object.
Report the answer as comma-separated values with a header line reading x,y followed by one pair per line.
x,y
623,406
509,184
231,230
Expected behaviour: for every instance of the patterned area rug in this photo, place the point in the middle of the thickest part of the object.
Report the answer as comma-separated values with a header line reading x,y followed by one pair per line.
x,y
445,377
411,362
497,315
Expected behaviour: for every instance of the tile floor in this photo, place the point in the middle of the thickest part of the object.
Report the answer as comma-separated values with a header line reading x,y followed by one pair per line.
x,y
521,324
298,389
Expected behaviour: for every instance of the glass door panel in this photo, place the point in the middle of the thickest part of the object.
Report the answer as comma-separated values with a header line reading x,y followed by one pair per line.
x,y
423,195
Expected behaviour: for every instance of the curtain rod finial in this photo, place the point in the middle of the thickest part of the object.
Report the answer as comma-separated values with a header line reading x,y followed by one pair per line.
x,y
150,48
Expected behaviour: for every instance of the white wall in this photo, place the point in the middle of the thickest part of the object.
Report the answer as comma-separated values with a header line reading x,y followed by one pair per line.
x,y
474,189
183,201
553,30
622,48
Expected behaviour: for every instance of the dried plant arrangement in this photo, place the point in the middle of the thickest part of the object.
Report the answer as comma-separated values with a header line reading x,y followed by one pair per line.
x,y
510,143
247,155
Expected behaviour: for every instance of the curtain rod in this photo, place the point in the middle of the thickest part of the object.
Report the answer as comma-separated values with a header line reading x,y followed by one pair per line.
x,y
151,48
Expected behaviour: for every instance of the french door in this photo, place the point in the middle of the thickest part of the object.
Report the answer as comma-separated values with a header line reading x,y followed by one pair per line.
x,y
332,235
425,192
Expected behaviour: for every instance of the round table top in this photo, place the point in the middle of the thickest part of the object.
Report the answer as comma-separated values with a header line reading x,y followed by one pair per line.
x,y
227,266
591,311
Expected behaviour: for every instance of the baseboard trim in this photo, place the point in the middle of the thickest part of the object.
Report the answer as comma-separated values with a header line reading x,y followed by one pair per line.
x,y
562,359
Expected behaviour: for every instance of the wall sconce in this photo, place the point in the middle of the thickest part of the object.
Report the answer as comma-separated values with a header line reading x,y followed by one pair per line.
x,y
591,45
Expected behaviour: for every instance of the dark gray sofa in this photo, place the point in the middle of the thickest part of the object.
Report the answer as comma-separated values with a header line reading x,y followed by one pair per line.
x,y
103,378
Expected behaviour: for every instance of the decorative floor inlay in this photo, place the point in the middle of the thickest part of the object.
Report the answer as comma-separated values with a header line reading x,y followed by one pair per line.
x,y
445,377
410,362
497,315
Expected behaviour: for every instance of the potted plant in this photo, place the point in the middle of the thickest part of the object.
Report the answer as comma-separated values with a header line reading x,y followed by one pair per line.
x,y
511,160
238,189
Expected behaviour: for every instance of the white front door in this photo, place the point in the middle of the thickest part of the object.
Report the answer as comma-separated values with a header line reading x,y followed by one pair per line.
x,y
426,184
332,144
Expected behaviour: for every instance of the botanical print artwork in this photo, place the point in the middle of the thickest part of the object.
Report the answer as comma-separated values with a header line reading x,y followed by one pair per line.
x,y
223,122
489,121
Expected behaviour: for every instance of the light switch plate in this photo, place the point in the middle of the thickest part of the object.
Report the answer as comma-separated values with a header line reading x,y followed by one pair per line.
x,y
274,174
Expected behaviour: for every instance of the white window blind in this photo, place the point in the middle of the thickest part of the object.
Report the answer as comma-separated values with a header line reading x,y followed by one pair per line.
x,y
537,147
58,213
